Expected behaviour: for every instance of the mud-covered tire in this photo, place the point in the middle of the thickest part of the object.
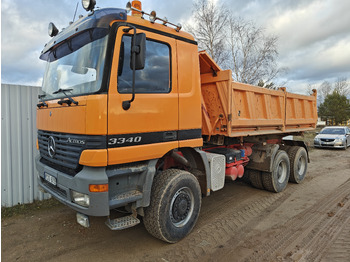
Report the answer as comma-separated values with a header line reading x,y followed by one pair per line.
x,y
246,177
277,180
256,179
298,164
174,207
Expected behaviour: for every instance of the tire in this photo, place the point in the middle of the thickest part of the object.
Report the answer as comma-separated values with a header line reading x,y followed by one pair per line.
x,y
285,148
277,180
256,179
246,177
174,206
298,164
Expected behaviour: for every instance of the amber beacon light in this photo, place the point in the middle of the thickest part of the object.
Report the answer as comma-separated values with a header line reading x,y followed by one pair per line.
x,y
136,5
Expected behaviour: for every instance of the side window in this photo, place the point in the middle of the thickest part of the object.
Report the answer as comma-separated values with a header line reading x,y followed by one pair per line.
x,y
154,78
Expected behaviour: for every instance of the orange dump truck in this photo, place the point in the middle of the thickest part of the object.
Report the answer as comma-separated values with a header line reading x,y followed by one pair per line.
x,y
131,116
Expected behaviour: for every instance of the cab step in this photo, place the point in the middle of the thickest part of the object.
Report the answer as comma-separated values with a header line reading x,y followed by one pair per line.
x,y
122,222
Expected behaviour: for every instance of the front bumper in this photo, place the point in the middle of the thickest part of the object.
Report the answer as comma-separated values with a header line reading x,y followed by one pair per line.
x,y
321,144
99,202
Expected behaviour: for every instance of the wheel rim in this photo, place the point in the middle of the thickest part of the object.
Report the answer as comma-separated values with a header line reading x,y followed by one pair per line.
x,y
301,165
181,207
282,171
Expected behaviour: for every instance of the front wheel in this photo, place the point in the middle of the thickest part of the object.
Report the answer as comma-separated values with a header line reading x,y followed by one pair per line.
x,y
174,207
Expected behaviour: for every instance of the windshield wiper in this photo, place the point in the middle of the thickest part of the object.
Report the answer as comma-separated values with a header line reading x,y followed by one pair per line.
x,y
69,101
43,103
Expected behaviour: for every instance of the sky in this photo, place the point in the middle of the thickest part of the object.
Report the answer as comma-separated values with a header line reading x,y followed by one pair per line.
x,y
314,35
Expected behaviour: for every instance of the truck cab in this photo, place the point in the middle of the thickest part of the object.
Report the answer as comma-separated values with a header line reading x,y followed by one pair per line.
x,y
95,154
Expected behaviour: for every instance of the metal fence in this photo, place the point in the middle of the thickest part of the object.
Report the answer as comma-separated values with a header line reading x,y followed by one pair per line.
x,y
18,145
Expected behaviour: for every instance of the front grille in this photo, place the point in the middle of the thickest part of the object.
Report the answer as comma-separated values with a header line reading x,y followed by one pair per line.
x,y
327,140
68,148
62,193
67,171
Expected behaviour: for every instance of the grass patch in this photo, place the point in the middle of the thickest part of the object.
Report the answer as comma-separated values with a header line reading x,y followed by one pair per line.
x,y
25,209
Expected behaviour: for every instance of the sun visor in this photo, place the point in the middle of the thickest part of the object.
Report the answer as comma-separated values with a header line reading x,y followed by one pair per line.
x,y
99,19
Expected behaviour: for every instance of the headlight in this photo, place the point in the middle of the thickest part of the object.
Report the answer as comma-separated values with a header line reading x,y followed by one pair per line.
x,y
88,5
316,139
81,199
338,140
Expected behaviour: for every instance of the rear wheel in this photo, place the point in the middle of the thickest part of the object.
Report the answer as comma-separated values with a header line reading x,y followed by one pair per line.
x,y
256,179
246,176
277,180
298,164
174,207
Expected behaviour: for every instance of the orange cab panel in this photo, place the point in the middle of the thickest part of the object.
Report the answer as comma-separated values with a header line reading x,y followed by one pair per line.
x,y
189,93
151,123
89,117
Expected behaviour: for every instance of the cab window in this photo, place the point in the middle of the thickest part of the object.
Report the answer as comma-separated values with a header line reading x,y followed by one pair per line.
x,y
154,78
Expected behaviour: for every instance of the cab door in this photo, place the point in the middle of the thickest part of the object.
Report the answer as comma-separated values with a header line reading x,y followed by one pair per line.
x,y
149,128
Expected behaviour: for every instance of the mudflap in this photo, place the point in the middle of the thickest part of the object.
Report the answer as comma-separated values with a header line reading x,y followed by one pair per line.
x,y
262,157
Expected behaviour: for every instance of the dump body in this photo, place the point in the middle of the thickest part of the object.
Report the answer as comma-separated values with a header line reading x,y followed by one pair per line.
x,y
234,109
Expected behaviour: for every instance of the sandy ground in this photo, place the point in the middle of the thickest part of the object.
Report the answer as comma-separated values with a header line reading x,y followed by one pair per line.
x,y
306,222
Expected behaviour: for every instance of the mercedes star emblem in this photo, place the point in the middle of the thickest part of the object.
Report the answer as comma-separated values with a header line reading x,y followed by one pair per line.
x,y
51,147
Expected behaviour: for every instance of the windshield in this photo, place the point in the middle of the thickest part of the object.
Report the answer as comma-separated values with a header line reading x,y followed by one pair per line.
x,y
81,70
333,131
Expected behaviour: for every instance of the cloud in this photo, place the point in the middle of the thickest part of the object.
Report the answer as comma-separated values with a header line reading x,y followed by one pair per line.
x,y
314,35
24,33
317,21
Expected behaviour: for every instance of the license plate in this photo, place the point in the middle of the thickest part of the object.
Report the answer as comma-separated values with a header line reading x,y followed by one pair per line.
x,y
50,179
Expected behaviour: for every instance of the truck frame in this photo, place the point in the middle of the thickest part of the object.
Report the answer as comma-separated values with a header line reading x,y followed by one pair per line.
x,y
132,116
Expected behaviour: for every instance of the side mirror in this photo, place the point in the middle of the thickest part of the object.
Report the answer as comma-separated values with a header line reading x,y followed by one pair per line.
x,y
140,51
317,133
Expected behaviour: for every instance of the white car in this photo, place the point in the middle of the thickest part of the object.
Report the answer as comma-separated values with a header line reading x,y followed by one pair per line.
x,y
333,136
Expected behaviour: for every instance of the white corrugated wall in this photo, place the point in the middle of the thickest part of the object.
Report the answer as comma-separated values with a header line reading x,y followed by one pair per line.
x,y
18,145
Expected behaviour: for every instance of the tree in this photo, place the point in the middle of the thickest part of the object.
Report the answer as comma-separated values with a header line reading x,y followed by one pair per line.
x,y
235,43
341,86
210,20
335,106
253,55
324,90
309,89
271,85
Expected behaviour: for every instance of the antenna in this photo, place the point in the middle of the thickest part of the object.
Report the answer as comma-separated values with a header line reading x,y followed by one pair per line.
x,y
76,8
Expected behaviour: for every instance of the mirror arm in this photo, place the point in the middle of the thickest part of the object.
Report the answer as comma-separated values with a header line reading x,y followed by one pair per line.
x,y
126,104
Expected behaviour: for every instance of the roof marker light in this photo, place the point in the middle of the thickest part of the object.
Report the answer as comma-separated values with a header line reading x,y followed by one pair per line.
x,y
88,5
178,27
135,7
52,29
153,16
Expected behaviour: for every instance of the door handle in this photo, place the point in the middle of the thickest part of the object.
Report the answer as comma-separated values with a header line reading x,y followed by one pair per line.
x,y
170,135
